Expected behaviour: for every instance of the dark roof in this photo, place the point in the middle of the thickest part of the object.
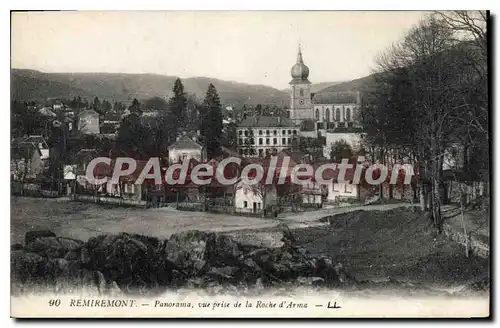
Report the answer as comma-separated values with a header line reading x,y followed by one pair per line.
x,y
185,143
328,98
266,121
346,130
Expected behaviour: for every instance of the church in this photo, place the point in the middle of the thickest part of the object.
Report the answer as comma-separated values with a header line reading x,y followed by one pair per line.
x,y
334,121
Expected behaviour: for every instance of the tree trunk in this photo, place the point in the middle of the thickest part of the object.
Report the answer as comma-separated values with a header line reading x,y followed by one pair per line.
x,y
463,224
423,198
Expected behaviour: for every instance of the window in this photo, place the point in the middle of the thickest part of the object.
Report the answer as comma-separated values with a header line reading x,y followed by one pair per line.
x,y
289,132
317,114
267,141
275,141
129,188
347,114
245,204
294,132
350,124
275,132
240,132
260,141
261,151
246,133
302,92
260,132
283,141
252,141
337,114
267,132
240,141
327,115
259,206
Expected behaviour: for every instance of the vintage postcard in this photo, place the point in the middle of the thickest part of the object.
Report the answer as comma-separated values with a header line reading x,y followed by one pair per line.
x,y
250,164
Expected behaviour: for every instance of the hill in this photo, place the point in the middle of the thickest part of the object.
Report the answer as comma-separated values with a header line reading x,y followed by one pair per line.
x,y
35,85
344,92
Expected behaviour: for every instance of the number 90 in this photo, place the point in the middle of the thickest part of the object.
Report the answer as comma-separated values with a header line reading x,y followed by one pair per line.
x,y
56,302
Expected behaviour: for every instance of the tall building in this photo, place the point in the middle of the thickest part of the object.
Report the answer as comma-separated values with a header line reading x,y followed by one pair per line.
x,y
300,91
335,120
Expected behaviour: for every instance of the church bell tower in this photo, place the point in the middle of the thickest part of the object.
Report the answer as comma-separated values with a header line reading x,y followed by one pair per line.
x,y
300,91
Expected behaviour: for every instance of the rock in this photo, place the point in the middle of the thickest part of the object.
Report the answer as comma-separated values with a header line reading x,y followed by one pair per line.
x,y
53,247
310,281
73,255
16,247
194,251
30,236
26,266
187,251
124,258
251,265
114,290
326,270
227,272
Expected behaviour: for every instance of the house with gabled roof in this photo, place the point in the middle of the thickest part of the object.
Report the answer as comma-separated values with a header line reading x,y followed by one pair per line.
x,y
185,148
29,157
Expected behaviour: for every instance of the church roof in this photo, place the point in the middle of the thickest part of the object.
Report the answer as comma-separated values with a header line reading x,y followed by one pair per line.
x,y
266,122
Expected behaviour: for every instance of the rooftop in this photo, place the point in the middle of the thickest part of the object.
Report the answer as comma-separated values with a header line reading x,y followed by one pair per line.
x,y
184,143
266,121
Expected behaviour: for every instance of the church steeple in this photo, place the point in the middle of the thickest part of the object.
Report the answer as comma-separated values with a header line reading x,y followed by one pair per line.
x,y
300,72
299,56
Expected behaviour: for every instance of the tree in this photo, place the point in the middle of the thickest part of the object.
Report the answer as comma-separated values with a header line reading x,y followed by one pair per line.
x,y
156,103
26,120
423,93
340,149
96,105
178,104
105,106
211,125
135,107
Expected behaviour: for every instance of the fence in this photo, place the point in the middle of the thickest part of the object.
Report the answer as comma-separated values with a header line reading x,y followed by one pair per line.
x,y
108,200
32,190
476,246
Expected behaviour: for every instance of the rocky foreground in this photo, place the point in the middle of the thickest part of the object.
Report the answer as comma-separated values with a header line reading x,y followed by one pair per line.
x,y
135,264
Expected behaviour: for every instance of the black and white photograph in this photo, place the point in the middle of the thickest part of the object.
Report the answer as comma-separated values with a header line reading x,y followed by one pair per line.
x,y
250,164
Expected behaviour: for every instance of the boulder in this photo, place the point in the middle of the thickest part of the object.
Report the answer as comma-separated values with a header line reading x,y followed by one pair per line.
x,y
30,236
193,252
16,247
26,266
126,259
223,273
53,247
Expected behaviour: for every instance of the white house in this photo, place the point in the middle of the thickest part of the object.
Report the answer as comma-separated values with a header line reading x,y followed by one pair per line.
x,y
185,148
88,122
250,199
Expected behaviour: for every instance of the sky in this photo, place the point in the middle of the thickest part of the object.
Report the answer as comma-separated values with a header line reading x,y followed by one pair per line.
x,y
245,46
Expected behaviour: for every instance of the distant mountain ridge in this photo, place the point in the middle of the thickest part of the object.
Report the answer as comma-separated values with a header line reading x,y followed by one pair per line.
x,y
35,85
